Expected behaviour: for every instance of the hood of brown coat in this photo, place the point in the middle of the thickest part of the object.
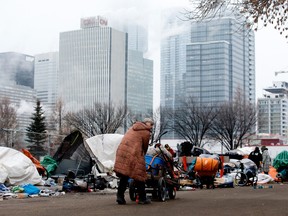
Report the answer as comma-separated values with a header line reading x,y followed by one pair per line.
x,y
137,126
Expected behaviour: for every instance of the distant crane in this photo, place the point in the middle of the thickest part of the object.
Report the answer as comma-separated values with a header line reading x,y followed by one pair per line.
x,y
278,72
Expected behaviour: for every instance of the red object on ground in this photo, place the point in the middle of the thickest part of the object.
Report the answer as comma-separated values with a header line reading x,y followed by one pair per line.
x,y
184,161
222,166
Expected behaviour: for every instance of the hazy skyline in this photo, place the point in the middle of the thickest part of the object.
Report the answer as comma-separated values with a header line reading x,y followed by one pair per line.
x,y
33,27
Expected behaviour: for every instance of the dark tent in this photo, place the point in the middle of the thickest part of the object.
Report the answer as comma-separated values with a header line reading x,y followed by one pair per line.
x,y
73,156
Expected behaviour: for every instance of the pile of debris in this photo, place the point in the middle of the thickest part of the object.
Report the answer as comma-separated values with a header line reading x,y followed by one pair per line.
x,y
78,165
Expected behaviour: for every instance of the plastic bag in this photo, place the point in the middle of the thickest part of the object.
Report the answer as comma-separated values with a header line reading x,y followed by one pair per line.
x,y
50,164
30,189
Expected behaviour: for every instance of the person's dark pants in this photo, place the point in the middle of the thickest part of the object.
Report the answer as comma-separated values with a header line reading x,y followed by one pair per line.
x,y
123,185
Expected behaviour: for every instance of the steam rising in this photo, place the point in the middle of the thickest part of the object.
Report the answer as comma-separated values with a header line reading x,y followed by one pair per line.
x,y
25,108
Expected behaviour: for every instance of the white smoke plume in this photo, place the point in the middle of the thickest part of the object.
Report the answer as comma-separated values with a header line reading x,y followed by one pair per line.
x,y
25,107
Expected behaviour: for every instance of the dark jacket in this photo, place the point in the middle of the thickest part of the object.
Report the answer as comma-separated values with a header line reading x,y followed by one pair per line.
x,y
130,155
256,157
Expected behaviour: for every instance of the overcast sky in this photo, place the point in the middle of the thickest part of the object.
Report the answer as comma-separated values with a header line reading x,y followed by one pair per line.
x,y
33,27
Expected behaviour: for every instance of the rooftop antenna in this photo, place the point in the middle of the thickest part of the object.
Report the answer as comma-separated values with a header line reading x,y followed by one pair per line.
x,y
278,72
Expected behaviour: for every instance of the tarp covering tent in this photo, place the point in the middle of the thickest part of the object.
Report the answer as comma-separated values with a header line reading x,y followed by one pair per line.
x,y
239,153
102,150
73,156
16,168
242,151
281,160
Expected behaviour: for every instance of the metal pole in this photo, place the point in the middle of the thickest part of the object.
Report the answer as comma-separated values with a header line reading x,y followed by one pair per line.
x,y
49,151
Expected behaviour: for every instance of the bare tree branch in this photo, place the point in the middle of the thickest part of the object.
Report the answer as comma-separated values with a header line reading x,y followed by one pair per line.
x,y
193,120
235,122
257,13
100,119
8,120
162,123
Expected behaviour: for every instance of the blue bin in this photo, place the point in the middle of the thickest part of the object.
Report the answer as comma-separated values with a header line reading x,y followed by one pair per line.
x,y
156,164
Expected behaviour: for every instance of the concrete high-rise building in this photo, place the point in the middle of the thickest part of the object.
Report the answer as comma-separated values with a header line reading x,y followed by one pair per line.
x,y
92,65
209,61
273,110
46,81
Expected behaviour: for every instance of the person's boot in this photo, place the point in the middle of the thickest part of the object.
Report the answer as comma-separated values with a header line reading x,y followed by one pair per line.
x,y
142,194
120,200
121,190
144,201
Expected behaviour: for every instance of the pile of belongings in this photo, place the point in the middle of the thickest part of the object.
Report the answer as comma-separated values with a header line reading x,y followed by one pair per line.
x,y
159,151
204,169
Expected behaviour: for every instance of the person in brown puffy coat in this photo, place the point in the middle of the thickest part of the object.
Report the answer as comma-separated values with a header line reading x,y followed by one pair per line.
x,y
130,159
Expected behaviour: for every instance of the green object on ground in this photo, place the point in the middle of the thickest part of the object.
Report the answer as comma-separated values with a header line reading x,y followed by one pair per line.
x,y
17,189
49,163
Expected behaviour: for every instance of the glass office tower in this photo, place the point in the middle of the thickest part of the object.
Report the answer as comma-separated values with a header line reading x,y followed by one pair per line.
x,y
16,69
16,84
140,83
209,60
220,61
46,81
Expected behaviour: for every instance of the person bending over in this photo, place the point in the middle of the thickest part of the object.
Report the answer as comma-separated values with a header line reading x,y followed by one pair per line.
x,y
130,160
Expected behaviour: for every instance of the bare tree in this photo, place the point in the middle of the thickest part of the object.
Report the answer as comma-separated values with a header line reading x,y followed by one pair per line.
x,y
192,120
235,122
57,116
58,127
159,117
162,123
59,124
100,119
256,12
8,121
133,117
